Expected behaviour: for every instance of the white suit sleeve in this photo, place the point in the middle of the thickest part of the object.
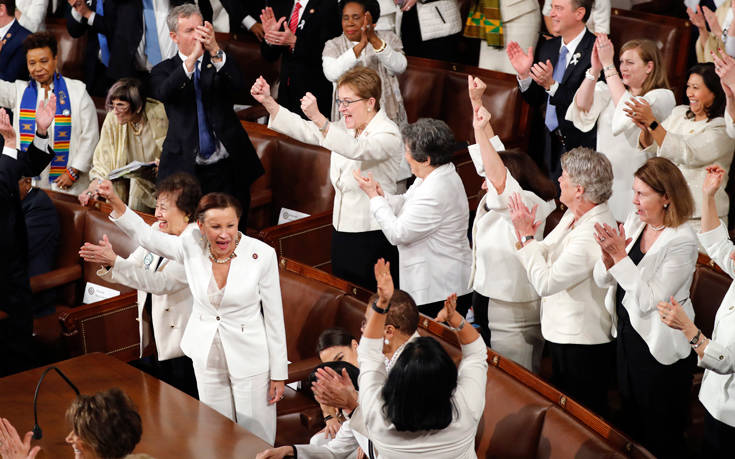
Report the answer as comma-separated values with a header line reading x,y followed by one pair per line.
x,y
418,219
164,245
335,67
662,101
697,150
472,376
7,94
275,329
586,121
170,277
32,17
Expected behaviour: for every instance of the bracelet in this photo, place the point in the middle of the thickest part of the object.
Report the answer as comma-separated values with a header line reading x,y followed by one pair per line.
x,y
704,340
695,341
378,309
324,128
382,48
72,175
589,75
295,454
44,136
611,66
460,326
611,74
328,417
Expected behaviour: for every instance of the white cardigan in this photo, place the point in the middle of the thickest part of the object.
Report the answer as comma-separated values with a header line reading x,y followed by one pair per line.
x,y
84,128
170,297
378,149
560,269
429,225
717,392
254,343
666,270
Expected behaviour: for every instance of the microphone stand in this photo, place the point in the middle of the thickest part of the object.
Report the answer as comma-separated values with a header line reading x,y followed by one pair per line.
x,y
37,434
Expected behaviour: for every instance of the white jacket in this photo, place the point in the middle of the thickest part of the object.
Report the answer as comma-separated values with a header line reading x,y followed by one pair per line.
x,y
254,343
84,128
560,269
170,297
666,270
429,225
378,149
717,392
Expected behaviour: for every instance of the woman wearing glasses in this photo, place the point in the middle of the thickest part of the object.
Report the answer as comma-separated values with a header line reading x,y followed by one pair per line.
x,y
363,139
133,130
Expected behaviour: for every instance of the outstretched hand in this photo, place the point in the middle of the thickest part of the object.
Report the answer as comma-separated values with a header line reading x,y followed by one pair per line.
x,y
334,389
6,129
523,219
101,253
45,114
385,282
11,445
520,60
367,184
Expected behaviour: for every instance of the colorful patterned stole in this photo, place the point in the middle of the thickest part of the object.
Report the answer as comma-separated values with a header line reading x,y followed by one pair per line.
x,y
62,123
484,22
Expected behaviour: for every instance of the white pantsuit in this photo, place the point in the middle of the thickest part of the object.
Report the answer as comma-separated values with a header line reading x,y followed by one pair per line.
x,y
253,344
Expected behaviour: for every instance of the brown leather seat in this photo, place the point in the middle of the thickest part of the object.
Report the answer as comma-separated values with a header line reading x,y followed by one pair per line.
x,y
70,55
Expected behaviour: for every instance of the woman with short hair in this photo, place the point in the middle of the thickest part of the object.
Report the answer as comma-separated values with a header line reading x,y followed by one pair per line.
x,y
164,298
574,321
429,222
235,335
650,259
424,406
134,130
363,139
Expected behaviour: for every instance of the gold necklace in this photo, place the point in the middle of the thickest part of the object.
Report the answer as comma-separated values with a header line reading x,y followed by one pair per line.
x,y
222,261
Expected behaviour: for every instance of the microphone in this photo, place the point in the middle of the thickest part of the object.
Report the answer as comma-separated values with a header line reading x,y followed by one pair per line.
x,y
37,433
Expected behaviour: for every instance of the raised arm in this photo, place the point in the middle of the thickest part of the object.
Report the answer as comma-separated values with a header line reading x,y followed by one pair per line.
x,y
494,168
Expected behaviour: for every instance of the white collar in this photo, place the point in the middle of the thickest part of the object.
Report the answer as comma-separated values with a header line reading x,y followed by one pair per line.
x,y
4,30
183,57
573,43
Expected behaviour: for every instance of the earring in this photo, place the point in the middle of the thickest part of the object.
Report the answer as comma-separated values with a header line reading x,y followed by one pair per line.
x,y
186,219
370,109
386,341
666,206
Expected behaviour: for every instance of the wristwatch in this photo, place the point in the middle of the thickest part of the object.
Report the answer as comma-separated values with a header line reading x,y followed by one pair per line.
x,y
652,127
219,55
694,340
378,309
525,239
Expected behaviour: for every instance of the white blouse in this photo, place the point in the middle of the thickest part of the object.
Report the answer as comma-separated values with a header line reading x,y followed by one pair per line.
x,y
694,145
717,392
617,138
457,440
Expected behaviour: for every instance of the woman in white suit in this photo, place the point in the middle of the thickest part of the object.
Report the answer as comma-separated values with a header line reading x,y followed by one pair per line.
x,y
715,355
506,306
164,298
239,353
574,321
363,139
429,222
654,263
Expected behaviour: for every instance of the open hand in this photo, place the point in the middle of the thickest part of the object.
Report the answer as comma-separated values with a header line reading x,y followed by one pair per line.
x,y
605,50
520,60
523,219
275,391
385,282
612,242
450,307
697,18
673,315
714,24
11,446
334,389
45,114
6,129
367,184
543,74
102,253
639,110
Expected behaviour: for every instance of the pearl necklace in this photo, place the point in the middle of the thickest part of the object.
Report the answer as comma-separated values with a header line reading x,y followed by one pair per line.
x,y
656,228
222,261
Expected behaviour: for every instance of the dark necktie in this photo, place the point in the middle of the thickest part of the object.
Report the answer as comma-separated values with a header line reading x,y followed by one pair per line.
x,y
206,140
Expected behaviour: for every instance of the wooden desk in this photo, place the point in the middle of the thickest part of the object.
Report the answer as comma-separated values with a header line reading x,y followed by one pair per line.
x,y
174,424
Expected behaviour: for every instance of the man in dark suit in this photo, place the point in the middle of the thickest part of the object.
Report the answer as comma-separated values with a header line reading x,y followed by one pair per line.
x,y
12,34
205,137
298,38
16,315
115,31
560,68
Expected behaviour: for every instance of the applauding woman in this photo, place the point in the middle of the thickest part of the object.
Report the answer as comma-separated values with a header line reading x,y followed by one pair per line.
x,y
429,222
693,136
394,405
235,336
715,355
361,44
602,104
657,262
363,139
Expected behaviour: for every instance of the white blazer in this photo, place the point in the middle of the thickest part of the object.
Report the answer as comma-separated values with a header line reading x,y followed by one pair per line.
x,y
429,225
254,343
378,150
717,392
560,269
85,130
666,270
170,297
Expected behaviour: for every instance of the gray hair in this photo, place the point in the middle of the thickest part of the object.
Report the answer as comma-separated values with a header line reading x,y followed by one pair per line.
x,y
590,170
182,11
430,139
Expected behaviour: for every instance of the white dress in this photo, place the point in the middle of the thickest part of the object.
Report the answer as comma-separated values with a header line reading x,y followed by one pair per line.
x,y
617,138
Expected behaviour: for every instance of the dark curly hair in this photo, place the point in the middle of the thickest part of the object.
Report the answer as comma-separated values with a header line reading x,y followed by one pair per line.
x,y
41,40
712,81
370,6
107,422
187,191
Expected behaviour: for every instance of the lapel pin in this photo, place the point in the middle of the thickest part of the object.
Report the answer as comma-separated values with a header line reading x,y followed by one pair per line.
x,y
8,35
209,66
311,11
255,256
575,58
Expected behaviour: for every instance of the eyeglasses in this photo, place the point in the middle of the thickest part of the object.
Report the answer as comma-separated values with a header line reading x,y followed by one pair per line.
x,y
120,107
346,103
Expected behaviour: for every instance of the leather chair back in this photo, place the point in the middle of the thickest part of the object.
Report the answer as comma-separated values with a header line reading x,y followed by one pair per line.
x,y
246,52
70,55
707,291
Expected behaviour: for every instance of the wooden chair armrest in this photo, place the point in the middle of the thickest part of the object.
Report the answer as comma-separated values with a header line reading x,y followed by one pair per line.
x,y
261,198
55,278
298,371
252,113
